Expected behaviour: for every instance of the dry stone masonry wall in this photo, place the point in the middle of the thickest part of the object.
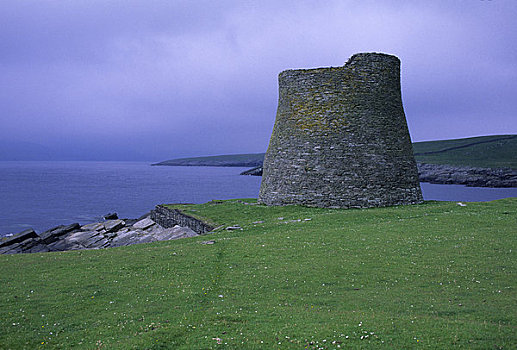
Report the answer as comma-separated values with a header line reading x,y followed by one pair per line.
x,y
168,217
341,139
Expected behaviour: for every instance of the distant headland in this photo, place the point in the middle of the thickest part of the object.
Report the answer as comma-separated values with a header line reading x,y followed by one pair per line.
x,y
483,161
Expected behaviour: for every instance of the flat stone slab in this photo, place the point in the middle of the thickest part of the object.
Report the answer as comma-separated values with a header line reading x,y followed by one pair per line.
x,y
114,225
185,233
125,238
62,245
82,237
96,226
5,249
39,248
96,242
145,238
131,222
144,224
55,233
29,243
19,237
166,234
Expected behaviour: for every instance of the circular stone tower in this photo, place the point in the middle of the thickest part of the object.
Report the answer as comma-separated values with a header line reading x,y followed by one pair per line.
x,y
341,139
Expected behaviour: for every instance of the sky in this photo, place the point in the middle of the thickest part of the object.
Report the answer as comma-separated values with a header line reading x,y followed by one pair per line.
x,y
154,80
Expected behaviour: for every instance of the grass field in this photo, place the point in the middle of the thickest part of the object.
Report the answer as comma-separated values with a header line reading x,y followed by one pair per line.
x,y
436,275
498,151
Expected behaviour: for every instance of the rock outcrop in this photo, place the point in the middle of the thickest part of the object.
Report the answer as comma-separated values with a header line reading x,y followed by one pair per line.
x,y
452,175
110,233
468,176
257,171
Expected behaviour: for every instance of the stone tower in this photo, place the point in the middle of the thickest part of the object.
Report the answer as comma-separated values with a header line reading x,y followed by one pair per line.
x,y
341,139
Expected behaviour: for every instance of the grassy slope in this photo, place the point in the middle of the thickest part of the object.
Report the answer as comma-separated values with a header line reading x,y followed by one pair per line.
x,y
435,275
255,158
485,151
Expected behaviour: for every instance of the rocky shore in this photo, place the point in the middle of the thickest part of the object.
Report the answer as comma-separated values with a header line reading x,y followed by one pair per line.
x,y
451,175
113,232
468,176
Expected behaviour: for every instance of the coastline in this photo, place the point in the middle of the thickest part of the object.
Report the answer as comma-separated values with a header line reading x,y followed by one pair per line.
x,y
451,175
161,224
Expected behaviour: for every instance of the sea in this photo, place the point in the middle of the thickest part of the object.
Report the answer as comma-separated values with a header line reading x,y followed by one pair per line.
x,y
42,195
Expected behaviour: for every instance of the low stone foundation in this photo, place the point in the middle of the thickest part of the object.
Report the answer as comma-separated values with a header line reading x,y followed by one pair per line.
x,y
167,217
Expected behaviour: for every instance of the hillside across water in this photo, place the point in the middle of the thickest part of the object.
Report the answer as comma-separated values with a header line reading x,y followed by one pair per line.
x,y
497,151
235,160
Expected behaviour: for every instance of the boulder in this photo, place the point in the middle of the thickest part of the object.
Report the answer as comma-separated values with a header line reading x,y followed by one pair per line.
x,y
96,226
164,234
130,222
122,230
176,233
125,238
29,243
184,234
82,237
38,248
155,230
13,249
144,224
187,233
56,233
110,216
62,245
145,238
98,241
111,235
114,225
5,249
19,237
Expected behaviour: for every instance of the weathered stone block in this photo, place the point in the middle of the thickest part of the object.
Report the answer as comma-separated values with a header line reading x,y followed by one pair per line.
x,y
56,233
125,238
114,225
144,224
19,237
96,226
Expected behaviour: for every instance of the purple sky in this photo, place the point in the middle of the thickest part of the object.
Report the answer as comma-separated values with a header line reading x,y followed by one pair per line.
x,y
154,80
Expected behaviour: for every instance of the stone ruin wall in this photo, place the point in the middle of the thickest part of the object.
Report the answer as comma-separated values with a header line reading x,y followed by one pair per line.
x,y
341,139
167,217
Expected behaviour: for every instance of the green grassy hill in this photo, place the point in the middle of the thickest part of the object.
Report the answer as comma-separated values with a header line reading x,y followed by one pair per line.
x,y
498,151
237,160
436,275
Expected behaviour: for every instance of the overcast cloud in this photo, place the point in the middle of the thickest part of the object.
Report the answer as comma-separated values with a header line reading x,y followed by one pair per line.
x,y
154,80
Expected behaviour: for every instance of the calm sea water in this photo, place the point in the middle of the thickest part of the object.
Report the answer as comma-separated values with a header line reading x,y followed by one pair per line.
x,y
42,195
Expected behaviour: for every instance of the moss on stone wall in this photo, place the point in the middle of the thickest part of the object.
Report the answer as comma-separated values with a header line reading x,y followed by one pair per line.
x,y
340,138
